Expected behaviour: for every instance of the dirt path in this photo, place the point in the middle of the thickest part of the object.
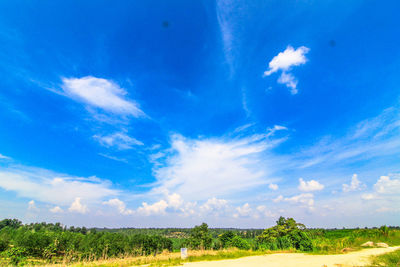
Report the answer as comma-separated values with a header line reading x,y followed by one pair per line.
x,y
358,258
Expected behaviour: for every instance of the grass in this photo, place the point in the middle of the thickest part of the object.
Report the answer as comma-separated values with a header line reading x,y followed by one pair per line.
x,y
390,259
338,240
169,259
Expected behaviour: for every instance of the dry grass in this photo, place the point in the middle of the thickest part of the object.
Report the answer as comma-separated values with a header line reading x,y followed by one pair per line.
x,y
165,259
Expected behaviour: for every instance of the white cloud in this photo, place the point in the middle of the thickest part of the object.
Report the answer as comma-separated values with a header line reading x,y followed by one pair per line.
x,y
311,185
119,140
287,59
284,61
56,209
4,157
101,93
307,199
205,168
119,205
53,188
214,204
368,196
243,211
265,212
273,186
385,185
272,131
355,185
32,206
373,138
290,81
154,209
113,158
278,199
77,206
175,201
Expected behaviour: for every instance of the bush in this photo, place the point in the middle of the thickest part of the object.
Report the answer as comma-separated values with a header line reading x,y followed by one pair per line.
x,y
15,255
200,238
286,234
240,243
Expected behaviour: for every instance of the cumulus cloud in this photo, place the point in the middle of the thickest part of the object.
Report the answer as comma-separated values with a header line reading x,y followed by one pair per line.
x,y
101,93
290,81
56,209
243,211
355,185
386,185
154,209
214,205
306,200
273,186
53,188
263,211
284,62
78,207
119,140
311,185
287,59
119,205
174,200
204,168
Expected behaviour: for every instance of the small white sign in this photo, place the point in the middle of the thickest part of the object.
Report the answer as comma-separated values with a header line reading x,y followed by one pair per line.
x,y
183,253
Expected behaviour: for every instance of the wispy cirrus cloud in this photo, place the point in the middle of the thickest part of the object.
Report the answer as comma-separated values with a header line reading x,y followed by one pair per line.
x,y
119,140
375,137
4,157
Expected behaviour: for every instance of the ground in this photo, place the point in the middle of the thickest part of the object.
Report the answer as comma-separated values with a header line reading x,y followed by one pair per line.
x,y
358,258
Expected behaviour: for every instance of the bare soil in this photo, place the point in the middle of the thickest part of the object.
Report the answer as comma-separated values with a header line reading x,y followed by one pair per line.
x,y
357,258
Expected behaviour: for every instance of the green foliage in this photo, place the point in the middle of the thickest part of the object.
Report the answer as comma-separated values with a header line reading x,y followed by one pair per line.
x,y
230,239
240,243
15,255
390,259
226,238
51,241
286,234
13,223
200,238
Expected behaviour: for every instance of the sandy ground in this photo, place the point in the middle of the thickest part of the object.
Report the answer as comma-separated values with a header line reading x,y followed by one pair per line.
x,y
358,258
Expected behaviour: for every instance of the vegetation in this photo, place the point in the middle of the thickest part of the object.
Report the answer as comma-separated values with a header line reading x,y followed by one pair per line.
x,y
390,259
286,234
54,243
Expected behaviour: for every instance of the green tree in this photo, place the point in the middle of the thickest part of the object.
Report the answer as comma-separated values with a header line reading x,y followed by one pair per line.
x,y
200,237
287,233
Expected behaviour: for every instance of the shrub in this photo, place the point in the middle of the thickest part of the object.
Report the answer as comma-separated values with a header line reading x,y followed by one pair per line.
x,y
239,243
286,234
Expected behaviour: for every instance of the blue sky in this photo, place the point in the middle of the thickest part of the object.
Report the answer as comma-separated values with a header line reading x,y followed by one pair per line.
x,y
171,113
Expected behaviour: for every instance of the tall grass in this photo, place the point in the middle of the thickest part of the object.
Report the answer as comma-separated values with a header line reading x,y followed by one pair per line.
x,y
169,259
335,241
390,259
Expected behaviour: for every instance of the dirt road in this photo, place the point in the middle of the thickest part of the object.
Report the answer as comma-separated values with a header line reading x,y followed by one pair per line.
x,y
358,258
